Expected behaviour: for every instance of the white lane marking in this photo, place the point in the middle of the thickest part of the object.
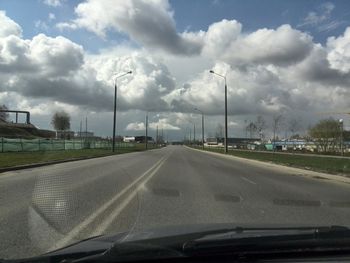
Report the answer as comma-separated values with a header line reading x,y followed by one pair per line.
x,y
69,237
246,179
112,217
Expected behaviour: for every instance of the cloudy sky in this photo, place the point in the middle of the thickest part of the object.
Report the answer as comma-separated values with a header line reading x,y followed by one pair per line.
x,y
279,57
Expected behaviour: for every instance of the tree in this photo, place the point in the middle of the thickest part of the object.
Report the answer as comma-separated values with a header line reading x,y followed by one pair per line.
x,y
326,133
260,125
251,127
61,121
294,126
219,131
277,120
4,116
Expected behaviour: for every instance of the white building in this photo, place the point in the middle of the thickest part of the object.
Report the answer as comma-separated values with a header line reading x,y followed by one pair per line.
x,y
129,139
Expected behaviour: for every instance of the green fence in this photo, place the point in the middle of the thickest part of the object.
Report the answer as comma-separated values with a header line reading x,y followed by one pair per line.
x,y
22,145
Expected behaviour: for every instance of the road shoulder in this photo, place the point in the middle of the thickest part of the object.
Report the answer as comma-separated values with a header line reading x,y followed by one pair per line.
x,y
278,167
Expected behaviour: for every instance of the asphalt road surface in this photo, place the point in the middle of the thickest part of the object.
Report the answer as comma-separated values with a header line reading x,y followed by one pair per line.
x,y
45,208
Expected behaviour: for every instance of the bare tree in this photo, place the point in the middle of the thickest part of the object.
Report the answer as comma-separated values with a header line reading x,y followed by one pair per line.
x,y
4,116
277,120
251,127
61,121
219,131
326,133
294,126
260,126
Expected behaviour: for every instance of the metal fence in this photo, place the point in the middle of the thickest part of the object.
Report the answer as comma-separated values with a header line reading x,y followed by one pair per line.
x,y
22,145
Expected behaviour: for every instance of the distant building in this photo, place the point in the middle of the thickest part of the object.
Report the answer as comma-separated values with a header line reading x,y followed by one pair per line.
x,y
84,134
237,143
65,135
142,139
129,139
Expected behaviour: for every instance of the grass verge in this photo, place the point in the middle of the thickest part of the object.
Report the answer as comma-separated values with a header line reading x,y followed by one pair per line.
x,y
11,159
319,164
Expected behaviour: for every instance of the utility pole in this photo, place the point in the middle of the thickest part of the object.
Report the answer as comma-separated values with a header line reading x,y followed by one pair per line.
x,y
190,136
115,107
194,133
341,122
114,114
157,137
202,126
86,128
226,138
226,134
146,140
80,131
202,130
162,135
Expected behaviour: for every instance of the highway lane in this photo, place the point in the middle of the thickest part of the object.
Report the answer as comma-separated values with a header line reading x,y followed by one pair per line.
x,y
48,207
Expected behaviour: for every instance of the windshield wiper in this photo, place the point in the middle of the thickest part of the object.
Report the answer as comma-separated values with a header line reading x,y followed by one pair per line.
x,y
235,242
273,240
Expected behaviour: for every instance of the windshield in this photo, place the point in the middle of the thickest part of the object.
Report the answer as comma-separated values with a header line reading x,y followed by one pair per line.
x,y
165,117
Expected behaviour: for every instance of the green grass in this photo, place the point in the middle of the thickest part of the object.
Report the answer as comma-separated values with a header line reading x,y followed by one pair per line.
x,y
11,159
321,164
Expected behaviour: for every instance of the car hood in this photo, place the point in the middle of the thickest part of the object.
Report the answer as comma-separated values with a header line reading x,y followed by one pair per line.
x,y
104,242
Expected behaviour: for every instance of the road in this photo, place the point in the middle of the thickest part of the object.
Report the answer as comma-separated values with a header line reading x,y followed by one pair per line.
x,y
49,207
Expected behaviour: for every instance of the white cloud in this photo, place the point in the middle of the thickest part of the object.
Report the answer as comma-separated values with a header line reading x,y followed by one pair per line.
x,y
268,71
283,46
339,52
8,26
53,3
220,36
135,126
59,69
41,25
323,13
154,28
52,16
145,88
163,123
149,23
321,18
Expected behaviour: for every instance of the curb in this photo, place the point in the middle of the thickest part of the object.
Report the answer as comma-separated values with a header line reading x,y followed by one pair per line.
x,y
290,170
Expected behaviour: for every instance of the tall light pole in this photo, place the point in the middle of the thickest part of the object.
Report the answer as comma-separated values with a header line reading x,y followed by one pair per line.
x,y
146,139
196,109
341,122
115,106
225,140
190,142
194,132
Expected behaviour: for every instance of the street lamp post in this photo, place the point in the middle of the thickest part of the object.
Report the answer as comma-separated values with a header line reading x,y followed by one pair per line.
x,y
341,136
115,107
190,142
146,139
225,140
194,134
202,125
